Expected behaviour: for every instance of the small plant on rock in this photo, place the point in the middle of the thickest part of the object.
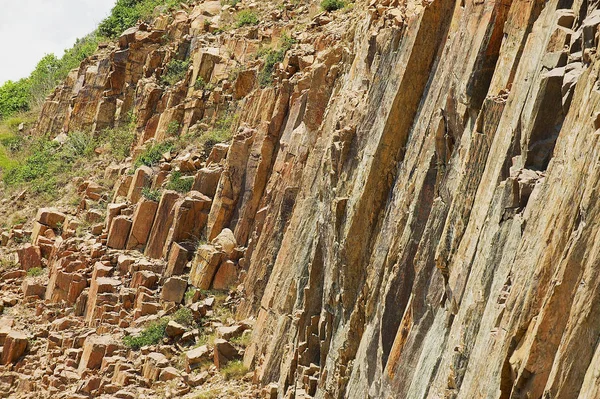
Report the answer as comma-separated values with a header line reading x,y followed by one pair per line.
x,y
183,316
152,195
246,17
200,83
151,335
178,183
176,71
35,271
332,5
173,128
153,154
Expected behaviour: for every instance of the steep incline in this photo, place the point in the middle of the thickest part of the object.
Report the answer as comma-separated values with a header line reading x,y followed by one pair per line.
x,y
412,201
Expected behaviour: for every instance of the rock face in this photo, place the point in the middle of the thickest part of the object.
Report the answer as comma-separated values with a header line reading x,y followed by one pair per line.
x,y
408,210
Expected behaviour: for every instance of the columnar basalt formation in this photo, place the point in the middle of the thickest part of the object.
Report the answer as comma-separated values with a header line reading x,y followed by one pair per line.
x,y
406,208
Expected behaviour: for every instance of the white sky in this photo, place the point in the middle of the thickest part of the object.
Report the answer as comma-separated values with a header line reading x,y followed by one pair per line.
x,y
29,29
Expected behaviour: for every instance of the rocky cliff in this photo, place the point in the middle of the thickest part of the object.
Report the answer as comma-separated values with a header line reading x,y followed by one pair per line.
x,y
408,205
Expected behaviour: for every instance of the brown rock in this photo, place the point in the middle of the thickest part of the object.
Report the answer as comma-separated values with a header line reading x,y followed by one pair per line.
x,y
112,211
189,219
15,345
217,154
142,178
94,349
230,332
204,266
178,258
244,84
118,233
224,352
174,329
225,241
194,357
226,276
168,374
32,287
143,218
144,278
29,256
173,290
162,224
51,217
207,180
153,365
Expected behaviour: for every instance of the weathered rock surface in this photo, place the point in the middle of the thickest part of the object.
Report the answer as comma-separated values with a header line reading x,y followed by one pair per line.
x,y
407,209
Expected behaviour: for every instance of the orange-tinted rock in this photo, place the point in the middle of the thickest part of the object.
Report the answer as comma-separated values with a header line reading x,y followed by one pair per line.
x,y
194,357
142,178
174,329
118,233
144,278
50,217
173,289
226,276
224,352
217,154
204,266
29,256
189,219
207,180
31,287
102,285
15,345
162,224
231,183
154,363
94,349
244,84
112,211
178,258
143,218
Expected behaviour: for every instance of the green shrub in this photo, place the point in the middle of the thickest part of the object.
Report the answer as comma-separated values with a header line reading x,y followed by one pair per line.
x,y
176,71
273,57
151,335
234,370
243,340
35,271
152,195
332,5
119,141
183,316
153,154
50,70
211,393
14,97
200,83
12,142
126,13
246,17
189,294
173,128
78,145
179,184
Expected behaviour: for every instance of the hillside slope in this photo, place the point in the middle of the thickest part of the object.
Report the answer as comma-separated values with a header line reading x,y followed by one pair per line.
x,y
397,199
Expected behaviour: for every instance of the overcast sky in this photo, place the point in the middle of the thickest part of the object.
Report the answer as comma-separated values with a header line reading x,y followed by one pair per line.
x,y
29,29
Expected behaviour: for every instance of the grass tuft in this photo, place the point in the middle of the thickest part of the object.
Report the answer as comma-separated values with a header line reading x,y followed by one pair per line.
x,y
234,370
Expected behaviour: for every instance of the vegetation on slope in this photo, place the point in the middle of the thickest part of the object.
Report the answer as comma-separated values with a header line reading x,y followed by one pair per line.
x,y
127,13
30,92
